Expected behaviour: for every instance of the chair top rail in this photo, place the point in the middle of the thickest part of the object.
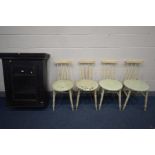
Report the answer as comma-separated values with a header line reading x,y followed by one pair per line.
x,y
63,62
108,61
87,62
134,61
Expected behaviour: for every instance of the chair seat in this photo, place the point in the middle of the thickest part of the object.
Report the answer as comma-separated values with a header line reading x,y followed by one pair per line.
x,y
87,85
111,85
63,85
136,85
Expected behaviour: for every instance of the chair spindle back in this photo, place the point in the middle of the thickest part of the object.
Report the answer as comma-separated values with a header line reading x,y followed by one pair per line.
x,y
63,69
132,69
86,69
108,69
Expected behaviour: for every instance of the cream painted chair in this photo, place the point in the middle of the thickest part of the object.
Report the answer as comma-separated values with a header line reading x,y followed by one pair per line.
x,y
63,82
132,82
109,84
86,82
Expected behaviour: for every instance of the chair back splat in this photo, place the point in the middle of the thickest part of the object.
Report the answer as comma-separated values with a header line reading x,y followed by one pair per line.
x,y
108,70
86,69
63,70
132,69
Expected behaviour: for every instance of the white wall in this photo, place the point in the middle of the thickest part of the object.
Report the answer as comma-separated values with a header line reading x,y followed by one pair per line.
x,y
77,43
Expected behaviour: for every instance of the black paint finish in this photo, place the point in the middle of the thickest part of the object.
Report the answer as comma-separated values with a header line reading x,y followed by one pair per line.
x,y
25,77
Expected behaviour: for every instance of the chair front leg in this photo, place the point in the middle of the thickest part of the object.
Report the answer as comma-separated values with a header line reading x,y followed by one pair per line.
x,y
119,100
95,99
54,95
71,99
101,99
127,98
146,100
77,100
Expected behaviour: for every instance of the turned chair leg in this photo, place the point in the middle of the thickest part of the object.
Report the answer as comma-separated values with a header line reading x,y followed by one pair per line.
x,y
71,99
95,98
146,100
127,98
77,100
101,99
119,100
54,94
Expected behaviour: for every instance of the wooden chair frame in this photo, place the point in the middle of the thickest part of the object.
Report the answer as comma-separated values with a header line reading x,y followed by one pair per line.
x,y
132,72
63,73
108,72
86,73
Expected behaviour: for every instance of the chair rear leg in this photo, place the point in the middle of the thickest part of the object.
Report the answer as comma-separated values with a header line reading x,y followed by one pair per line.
x,y
119,100
77,100
101,99
54,95
71,99
146,100
127,98
95,99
